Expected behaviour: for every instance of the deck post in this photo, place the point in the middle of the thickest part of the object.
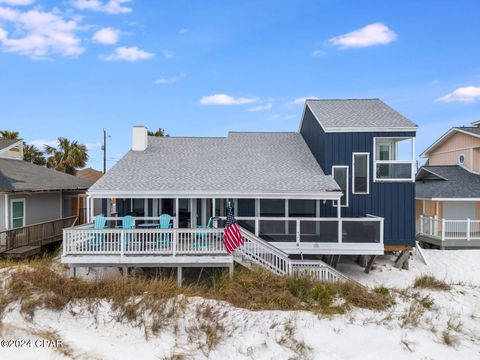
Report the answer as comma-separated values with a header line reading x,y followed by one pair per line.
x,y
124,271
179,276
230,271
122,243
421,224
73,271
297,232
468,229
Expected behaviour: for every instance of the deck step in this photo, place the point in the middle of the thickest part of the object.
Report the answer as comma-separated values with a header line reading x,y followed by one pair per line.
x,y
22,251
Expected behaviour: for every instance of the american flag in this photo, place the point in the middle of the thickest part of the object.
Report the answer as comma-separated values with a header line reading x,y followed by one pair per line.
x,y
232,238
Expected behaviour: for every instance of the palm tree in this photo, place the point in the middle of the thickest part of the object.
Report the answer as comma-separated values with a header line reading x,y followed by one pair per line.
x,y
67,156
160,132
32,154
9,135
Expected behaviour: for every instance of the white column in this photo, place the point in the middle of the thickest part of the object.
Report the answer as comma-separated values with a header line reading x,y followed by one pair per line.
x,y
87,205
204,211
191,203
287,216
7,223
109,207
92,208
214,223
339,219
176,213
257,215
414,163
155,207
145,207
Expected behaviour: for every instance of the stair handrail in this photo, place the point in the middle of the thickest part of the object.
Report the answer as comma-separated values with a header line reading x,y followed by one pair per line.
x,y
290,264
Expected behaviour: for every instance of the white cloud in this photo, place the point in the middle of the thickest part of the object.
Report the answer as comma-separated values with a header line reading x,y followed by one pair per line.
x,y
224,99
183,31
39,34
93,146
131,54
467,95
280,117
108,36
370,35
173,79
318,53
302,100
16,2
111,7
260,107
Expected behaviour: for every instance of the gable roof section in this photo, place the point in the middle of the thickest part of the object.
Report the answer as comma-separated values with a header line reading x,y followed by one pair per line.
x,y
447,182
5,143
358,115
241,164
18,175
469,130
89,174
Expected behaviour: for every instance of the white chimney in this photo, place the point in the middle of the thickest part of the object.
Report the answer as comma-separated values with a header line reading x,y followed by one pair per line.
x,y
139,138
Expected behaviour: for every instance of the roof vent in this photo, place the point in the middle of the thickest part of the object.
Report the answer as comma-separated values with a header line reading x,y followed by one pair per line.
x,y
139,138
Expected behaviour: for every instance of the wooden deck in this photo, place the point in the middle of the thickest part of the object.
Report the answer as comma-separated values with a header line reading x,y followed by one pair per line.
x,y
449,234
29,240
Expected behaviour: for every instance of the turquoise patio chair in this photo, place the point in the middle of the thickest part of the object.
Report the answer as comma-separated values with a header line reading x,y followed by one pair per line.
x,y
99,222
127,223
165,222
201,237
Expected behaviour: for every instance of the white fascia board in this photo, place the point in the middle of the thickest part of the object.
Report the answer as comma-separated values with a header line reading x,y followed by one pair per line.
x,y
328,195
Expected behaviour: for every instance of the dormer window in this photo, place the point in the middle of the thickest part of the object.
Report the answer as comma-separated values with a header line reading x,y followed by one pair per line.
x,y
461,159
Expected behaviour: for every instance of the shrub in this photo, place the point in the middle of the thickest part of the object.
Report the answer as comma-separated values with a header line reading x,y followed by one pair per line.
x,y
430,282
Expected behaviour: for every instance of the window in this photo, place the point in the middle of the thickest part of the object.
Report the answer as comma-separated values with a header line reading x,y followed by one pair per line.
x,y
18,213
272,207
393,159
461,159
340,175
301,208
246,207
361,173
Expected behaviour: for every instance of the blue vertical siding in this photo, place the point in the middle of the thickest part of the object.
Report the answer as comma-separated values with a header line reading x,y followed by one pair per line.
x,y
394,201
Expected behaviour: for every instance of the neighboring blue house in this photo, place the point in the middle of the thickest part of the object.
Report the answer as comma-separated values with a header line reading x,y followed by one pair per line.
x,y
342,185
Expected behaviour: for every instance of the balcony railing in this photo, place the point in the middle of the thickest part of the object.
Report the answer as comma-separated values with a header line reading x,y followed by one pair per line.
x,y
337,232
394,170
171,242
34,235
315,230
442,229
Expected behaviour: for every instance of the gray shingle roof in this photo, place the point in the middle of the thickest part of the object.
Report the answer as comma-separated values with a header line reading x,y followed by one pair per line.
x,y
244,163
6,142
18,175
357,113
470,129
446,182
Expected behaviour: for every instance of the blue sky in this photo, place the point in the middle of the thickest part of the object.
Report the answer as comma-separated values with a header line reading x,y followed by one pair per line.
x,y
71,68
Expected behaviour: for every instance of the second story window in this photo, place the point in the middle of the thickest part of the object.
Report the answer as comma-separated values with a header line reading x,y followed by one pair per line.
x,y
360,173
394,159
340,174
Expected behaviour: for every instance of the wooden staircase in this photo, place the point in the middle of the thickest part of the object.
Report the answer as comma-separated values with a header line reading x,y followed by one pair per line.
x,y
258,252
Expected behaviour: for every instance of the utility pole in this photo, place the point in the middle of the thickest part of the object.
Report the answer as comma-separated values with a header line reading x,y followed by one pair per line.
x,y
104,148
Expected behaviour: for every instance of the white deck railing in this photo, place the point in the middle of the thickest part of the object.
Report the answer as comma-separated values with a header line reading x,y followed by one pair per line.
x,y
84,241
275,260
315,229
448,229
